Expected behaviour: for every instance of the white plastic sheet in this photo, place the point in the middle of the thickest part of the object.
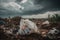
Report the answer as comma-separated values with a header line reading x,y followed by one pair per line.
x,y
30,26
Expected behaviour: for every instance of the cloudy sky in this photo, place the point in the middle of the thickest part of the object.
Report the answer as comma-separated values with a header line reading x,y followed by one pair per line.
x,y
29,8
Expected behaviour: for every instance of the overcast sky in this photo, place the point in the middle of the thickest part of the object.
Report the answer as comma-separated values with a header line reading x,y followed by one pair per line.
x,y
27,8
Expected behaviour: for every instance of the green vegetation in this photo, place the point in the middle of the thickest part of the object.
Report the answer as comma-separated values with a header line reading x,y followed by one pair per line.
x,y
55,18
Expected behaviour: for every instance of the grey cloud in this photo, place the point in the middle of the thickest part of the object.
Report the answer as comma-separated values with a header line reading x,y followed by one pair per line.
x,y
31,7
7,1
48,3
18,0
